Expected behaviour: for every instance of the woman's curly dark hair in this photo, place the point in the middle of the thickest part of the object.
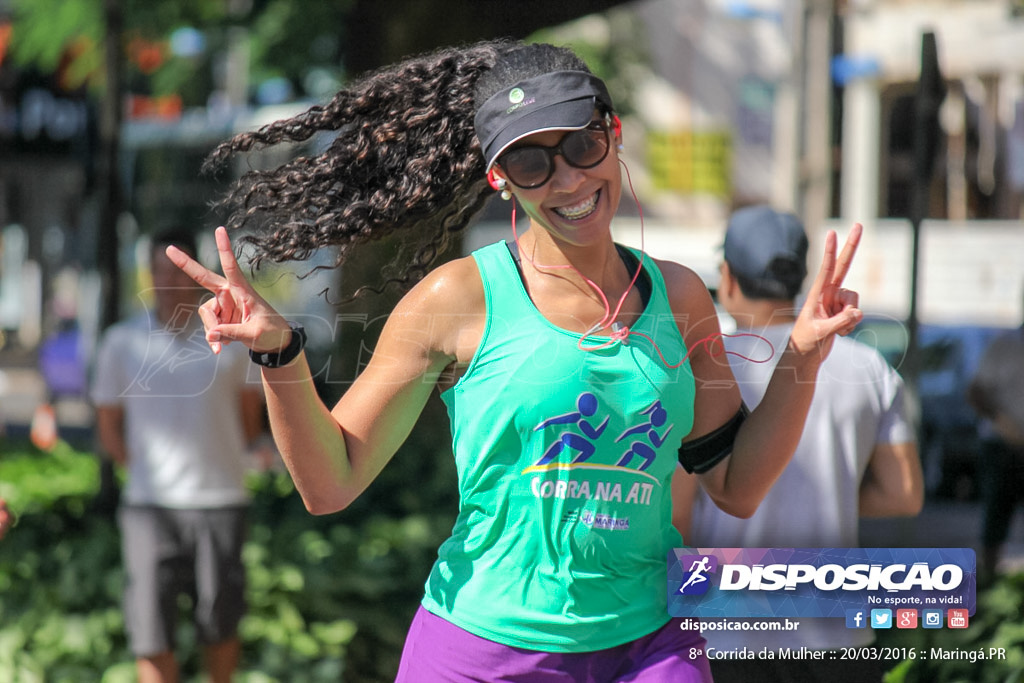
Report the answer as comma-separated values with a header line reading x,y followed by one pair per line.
x,y
406,157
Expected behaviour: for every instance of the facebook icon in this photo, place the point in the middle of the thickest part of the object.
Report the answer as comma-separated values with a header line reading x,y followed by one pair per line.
x,y
856,618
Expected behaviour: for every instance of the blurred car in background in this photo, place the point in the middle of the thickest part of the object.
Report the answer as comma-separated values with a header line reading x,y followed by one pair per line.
x,y
947,357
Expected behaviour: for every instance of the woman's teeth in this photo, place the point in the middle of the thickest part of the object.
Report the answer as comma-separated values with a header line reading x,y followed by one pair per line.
x,y
581,210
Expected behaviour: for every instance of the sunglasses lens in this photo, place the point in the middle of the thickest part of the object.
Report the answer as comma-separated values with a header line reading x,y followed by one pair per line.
x,y
585,148
527,167
532,165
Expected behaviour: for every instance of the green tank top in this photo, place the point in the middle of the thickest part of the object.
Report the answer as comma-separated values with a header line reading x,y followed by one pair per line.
x,y
564,459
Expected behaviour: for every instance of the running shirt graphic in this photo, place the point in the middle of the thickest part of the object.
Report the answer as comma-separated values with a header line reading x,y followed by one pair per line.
x,y
645,436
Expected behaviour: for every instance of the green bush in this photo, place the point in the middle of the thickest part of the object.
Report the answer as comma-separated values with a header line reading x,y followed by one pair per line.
x,y
330,598
60,571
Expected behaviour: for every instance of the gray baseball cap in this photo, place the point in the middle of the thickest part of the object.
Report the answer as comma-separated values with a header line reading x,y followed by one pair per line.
x,y
559,100
768,250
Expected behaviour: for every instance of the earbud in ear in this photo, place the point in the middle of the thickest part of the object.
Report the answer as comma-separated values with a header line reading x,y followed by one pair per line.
x,y
494,181
617,129
499,184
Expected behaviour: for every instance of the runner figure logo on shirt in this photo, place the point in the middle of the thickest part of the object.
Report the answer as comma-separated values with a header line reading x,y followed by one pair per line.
x,y
586,407
657,416
584,431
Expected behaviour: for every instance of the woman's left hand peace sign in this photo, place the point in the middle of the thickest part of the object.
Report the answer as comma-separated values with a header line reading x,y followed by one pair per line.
x,y
829,309
235,312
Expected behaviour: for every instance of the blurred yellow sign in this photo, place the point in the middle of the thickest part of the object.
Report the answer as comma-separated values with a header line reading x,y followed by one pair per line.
x,y
691,162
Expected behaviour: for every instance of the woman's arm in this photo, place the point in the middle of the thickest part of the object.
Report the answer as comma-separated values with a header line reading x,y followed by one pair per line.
x,y
333,455
767,438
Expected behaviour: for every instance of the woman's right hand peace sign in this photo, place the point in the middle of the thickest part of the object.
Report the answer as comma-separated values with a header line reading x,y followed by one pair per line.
x,y
829,309
235,312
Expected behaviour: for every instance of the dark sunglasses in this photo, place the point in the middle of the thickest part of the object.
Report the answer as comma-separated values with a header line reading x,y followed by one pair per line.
x,y
531,166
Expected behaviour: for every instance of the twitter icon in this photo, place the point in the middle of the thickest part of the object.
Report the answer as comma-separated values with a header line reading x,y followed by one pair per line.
x,y
881,618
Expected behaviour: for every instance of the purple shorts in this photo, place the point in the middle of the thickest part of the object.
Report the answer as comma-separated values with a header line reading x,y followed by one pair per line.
x,y
437,651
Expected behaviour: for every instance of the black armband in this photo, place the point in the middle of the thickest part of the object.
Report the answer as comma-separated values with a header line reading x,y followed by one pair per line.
x,y
269,359
701,454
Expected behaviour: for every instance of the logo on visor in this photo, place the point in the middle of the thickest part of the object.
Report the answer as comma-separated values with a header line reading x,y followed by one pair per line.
x,y
695,581
516,95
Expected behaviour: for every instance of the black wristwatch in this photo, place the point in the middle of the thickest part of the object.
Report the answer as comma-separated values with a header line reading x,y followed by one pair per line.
x,y
276,359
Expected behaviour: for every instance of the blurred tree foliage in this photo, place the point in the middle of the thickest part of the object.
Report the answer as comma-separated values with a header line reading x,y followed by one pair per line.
x,y
174,47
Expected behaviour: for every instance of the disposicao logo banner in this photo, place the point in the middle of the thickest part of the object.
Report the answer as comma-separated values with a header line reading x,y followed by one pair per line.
x,y
817,582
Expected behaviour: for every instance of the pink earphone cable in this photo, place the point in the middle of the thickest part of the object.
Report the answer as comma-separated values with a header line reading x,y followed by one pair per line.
x,y
621,333
707,342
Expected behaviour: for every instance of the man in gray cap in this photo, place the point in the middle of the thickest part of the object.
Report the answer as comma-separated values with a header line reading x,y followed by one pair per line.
x,y
857,456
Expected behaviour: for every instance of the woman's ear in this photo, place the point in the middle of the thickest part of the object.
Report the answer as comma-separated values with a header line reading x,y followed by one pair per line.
x,y
726,282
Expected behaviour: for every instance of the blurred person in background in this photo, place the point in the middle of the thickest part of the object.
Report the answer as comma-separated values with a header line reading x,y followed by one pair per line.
x,y
996,392
178,418
857,456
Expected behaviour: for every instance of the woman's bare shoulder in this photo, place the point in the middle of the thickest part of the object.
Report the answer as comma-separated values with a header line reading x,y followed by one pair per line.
x,y
684,285
453,287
